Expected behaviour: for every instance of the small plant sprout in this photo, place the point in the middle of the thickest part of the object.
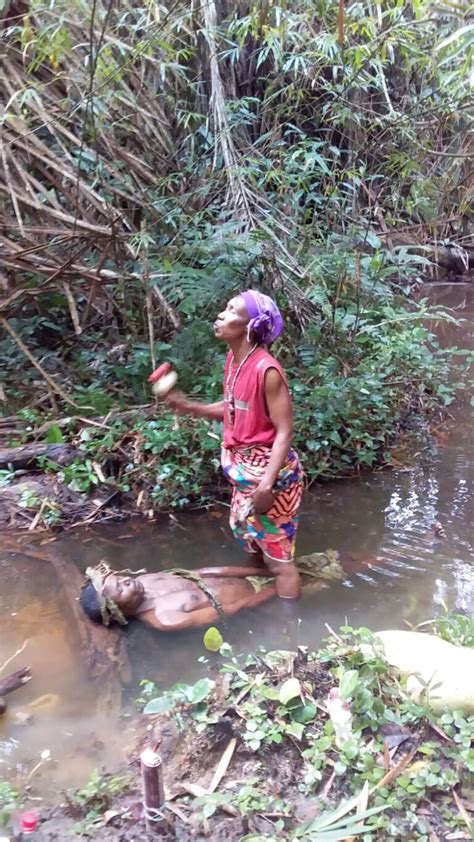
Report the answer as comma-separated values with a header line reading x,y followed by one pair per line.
x,y
45,757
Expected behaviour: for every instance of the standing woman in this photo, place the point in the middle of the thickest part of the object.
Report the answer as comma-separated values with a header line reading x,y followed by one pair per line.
x,y
257,457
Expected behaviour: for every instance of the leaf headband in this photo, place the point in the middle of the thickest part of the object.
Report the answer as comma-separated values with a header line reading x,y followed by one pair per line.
x,y
97,576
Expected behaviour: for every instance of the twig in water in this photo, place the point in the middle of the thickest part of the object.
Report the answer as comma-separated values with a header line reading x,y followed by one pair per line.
x,y
333,633
12,657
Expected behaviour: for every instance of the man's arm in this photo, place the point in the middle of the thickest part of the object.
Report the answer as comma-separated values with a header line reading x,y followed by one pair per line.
x,y
280,410
170,621
185,406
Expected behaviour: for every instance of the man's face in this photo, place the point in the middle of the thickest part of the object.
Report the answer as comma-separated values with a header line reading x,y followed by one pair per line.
x,y
231,324
127,593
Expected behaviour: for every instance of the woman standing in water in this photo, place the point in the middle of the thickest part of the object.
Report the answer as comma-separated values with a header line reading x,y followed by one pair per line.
x,y
257,457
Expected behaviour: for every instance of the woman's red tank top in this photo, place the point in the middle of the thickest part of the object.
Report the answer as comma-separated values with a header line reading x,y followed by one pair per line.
x,y
252,423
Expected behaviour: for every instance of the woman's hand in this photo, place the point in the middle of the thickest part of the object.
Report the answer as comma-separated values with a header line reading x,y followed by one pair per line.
x,y
263,498
177,401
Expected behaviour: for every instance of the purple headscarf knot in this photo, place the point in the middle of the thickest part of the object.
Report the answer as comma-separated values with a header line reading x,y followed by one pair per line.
x,y
265,321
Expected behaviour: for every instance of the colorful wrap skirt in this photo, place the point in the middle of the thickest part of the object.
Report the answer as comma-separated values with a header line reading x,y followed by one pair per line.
x,y
275,531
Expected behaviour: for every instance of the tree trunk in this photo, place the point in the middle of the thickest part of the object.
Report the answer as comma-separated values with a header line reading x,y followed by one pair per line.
x,y
27,455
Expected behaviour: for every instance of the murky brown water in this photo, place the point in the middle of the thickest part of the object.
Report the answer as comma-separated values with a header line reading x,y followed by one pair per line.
x,y
400,572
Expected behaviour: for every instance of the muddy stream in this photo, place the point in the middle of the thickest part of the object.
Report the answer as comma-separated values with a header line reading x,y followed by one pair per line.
x,y
397,571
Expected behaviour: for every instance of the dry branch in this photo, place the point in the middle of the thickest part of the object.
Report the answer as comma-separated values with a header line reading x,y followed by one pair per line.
x,y
14,681
48,379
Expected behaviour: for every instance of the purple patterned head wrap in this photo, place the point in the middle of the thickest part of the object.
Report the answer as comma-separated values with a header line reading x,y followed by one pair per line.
x,y
265,319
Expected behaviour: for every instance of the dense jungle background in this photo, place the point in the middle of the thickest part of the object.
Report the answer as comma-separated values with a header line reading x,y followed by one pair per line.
x,y
155,158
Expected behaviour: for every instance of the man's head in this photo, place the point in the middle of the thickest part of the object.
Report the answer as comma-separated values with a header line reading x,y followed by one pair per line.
x,y
90,604
125,591
251,315
108,596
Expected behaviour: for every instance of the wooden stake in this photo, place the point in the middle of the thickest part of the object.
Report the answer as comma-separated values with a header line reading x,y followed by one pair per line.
x,y
153,791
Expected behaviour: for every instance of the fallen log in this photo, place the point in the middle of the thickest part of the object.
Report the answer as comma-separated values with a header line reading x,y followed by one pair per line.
x,y
27,455
15,681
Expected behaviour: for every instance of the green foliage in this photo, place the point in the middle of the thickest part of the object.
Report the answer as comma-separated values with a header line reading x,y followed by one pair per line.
x,y
186,464
80,476
7,475
360,385
187,694
97,796
277,707
54,435
455,628
99,789
295,181
28,499
8,802
47,511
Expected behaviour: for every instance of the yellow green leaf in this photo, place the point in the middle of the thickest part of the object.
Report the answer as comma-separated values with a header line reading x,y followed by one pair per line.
x,y
213,639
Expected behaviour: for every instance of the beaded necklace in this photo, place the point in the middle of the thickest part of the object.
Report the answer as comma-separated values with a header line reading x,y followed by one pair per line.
x,y
229,388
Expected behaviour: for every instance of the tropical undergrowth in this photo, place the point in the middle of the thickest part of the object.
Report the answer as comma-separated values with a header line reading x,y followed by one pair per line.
x,y
366,372
400,765
252,751
157,159
257,755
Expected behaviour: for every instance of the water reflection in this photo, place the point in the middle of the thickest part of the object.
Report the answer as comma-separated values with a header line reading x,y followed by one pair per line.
x,y
56,710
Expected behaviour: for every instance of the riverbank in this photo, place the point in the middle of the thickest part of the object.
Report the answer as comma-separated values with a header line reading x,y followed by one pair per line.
x,y
369,389
253,751
182,474
370,411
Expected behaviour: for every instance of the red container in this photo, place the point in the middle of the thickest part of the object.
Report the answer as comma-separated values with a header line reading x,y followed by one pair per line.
x,y
164,368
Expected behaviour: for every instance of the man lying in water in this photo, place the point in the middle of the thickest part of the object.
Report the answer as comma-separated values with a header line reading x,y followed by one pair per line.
x,y
176,600
173,601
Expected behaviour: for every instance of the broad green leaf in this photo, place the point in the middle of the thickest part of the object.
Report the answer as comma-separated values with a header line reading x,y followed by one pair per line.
x,y
197,692
213,639
289,690
348,684
295,729
305,713
270,693
160,705
54,435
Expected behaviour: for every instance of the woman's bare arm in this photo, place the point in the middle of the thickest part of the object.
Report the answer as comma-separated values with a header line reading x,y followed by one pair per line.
x,y
280,411
228,572
185,406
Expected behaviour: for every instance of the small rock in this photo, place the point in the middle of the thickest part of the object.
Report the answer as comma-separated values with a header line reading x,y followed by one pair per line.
x,y
438,530
22,717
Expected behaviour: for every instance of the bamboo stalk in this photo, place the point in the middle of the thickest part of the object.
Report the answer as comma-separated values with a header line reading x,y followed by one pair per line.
x,y
72,308
16,207
148,295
